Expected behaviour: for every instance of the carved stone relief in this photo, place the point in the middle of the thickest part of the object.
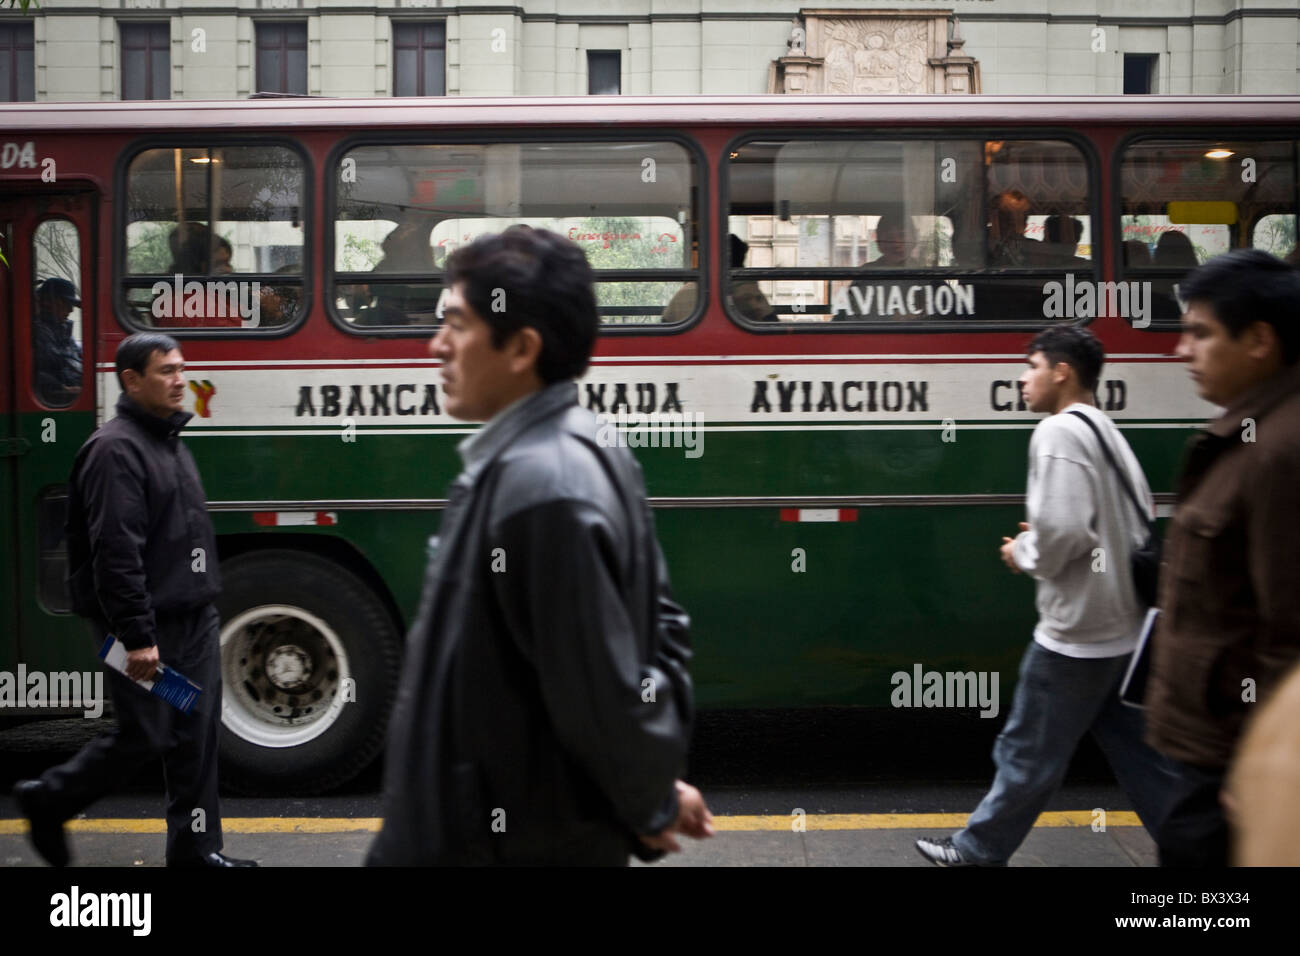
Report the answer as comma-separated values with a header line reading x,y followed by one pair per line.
x,y
876,56
875,53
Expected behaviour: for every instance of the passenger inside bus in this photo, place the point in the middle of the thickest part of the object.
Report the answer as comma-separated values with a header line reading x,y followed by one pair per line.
x,y
895,239
407,249
1061,240
1009,247
1175,251
57,351
191,244
1013,297
1136,254
280,304
746,296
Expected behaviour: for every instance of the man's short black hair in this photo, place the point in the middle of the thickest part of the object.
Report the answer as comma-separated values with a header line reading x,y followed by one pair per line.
x,y
135,351
739,247
532,277
1062,230
1074,346
1246,286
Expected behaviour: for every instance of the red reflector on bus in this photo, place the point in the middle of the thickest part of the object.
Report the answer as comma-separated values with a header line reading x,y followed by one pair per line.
x,y
819,514
285,519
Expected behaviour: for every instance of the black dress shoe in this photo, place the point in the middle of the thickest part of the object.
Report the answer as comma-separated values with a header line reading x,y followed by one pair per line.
x,y
46,828
211,859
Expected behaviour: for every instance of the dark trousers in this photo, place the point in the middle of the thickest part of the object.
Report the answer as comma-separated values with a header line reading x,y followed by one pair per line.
x,y
149,728
1195,832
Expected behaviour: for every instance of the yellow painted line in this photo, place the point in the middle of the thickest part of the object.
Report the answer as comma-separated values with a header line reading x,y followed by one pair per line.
x,y
228,825
911,821
723,824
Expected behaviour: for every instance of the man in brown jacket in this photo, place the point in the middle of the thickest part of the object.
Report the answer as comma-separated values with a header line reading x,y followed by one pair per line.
x,y
1230,579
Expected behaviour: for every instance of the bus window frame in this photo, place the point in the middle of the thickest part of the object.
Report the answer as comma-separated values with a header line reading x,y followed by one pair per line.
x,y
1086,146
1175,133
574,134
122,309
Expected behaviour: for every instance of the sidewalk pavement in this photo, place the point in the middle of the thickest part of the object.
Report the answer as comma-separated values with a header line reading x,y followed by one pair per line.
x,y
1059,839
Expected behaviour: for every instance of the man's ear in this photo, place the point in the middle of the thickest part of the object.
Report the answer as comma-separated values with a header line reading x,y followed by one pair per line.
x,y
130,379
1260,339
525,348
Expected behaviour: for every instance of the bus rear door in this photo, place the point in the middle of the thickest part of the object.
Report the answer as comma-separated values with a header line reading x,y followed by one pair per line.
x,y
48,410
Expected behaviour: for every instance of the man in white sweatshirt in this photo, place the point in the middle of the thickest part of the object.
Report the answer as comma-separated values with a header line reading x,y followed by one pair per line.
x,y
1081,528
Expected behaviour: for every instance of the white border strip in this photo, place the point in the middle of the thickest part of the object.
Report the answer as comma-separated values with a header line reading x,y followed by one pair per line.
x,y
927,426
804,357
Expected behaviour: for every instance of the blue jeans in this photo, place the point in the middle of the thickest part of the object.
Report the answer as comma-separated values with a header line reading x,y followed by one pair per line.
x,y
1057,700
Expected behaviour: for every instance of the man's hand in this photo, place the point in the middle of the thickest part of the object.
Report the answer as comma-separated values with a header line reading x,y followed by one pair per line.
x,y
1008,551
141,664
693,816
693,819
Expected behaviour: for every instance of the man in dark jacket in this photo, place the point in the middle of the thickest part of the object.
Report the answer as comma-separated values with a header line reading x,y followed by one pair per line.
x,y
1230,579
142,566
57,352
545,708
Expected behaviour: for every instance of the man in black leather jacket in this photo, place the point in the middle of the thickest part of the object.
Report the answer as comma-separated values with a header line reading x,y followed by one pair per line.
x,y
545,707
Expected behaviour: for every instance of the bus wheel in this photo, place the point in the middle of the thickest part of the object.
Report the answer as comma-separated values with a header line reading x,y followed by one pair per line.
x,y
309,661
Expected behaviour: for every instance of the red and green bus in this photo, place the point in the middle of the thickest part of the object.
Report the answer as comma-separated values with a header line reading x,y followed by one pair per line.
x,y
815,311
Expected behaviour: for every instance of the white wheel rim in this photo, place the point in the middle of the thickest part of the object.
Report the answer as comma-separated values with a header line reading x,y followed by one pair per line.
x,y
283,671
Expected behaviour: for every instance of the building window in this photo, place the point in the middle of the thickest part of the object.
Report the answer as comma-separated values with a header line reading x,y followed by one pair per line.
x,y
282,58
604,73
419,59
1140,72
17,72
146,61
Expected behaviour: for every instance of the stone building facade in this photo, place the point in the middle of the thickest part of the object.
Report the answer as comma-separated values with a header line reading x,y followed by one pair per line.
x,y
206,49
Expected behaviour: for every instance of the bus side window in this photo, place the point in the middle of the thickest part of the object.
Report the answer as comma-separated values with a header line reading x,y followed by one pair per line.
x,y
1184,201
630,206
879,231
56,313
214,237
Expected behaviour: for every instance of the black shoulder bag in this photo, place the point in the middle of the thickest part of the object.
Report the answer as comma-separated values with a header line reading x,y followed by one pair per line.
x,y
1144,561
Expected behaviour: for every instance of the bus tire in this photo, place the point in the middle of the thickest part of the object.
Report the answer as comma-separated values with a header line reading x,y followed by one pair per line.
x,y
309,663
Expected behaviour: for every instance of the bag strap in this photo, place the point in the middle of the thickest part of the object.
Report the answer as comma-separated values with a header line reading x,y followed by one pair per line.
x,y
1123,478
